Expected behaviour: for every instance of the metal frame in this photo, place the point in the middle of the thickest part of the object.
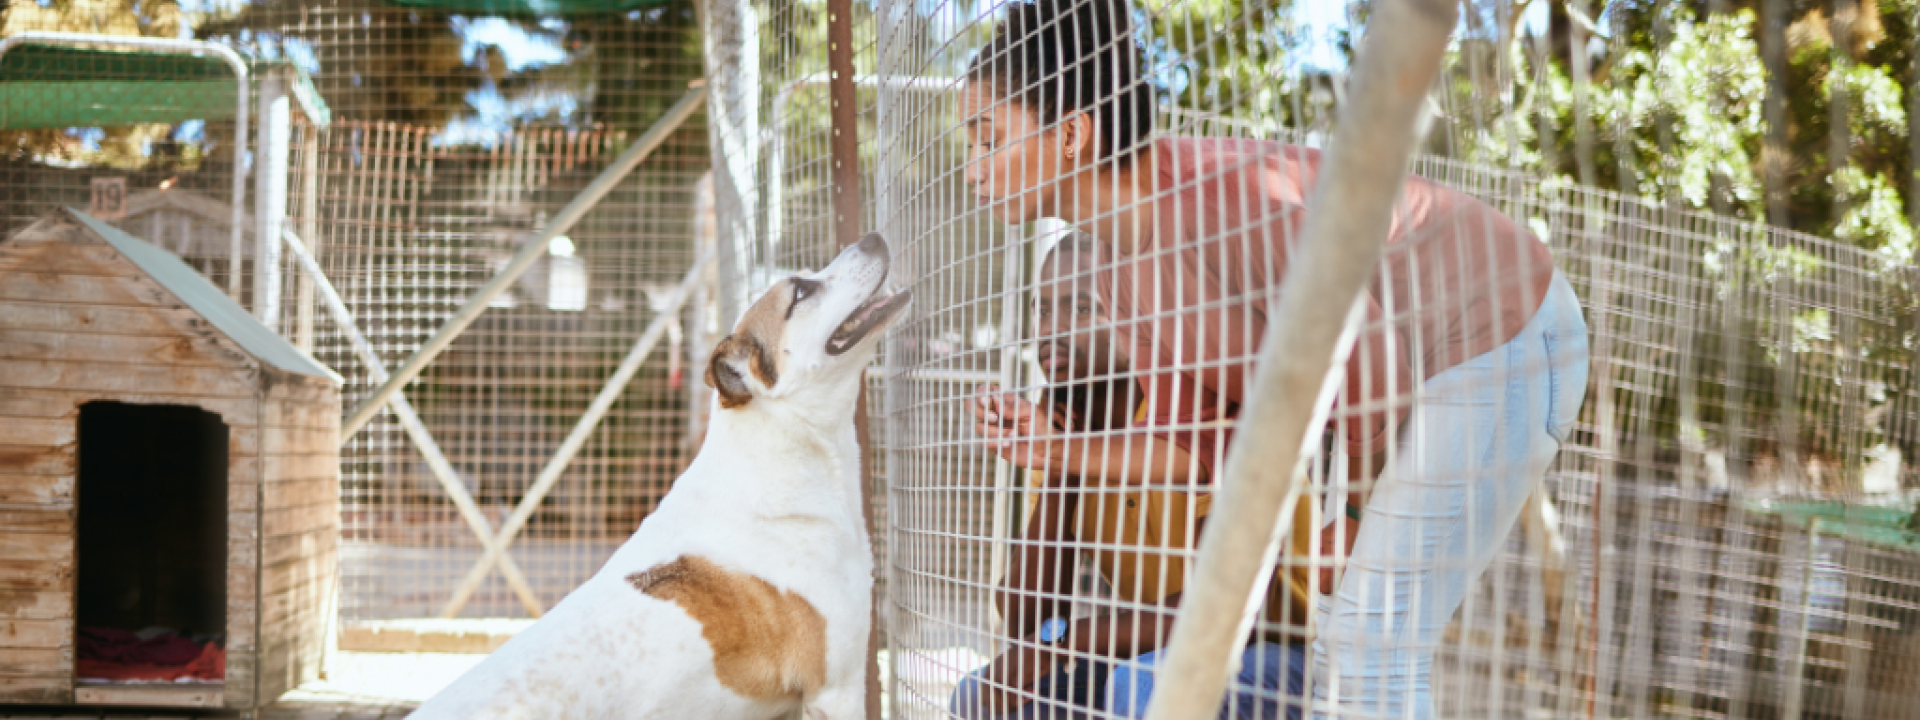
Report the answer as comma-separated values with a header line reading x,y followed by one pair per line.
x,y
524,259
410,421
196,48
496,544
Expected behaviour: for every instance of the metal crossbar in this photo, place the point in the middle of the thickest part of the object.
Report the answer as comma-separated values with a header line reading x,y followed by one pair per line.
x,y
496,546
523,260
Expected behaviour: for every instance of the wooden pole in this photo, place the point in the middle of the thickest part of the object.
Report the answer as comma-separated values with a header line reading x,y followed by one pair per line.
x,y
847,230
1295,382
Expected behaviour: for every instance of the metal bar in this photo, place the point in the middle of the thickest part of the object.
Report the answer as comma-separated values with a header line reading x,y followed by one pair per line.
x,y
179,47
1345,228
410,421
525,258
270,193
550,473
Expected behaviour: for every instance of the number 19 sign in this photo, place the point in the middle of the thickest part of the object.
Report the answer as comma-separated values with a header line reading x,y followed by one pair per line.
x,y
109,198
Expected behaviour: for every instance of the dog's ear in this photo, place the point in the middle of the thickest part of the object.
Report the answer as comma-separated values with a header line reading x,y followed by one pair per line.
x,y
724,377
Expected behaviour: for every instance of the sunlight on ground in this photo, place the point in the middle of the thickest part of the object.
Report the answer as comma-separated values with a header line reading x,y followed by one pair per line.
x,y
408,677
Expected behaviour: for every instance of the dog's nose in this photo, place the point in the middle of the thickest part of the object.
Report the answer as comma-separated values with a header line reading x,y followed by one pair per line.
x,y
874,245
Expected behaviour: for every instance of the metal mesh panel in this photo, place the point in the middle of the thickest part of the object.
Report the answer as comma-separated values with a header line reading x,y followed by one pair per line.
x,y
455,135
1748,386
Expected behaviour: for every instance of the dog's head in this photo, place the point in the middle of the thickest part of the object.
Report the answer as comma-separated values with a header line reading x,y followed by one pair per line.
x,y
809,331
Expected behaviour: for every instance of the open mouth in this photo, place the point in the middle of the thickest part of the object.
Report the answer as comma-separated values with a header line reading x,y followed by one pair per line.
x,y
871,314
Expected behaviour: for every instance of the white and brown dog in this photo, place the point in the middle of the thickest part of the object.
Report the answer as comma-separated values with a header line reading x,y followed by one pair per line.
x,y
746,593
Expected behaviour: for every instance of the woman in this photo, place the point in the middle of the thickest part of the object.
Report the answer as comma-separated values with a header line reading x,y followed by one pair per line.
x,y
1140,534
1463,384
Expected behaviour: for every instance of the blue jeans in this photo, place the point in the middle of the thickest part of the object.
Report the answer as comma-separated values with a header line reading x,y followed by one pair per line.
x,y
1064,695
1477,443
1255,692
1123,689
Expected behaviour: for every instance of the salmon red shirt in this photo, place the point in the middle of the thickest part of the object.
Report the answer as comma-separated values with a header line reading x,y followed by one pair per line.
x,y
1458,279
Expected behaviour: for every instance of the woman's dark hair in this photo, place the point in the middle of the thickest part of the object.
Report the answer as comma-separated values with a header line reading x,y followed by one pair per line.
x,y
1060,57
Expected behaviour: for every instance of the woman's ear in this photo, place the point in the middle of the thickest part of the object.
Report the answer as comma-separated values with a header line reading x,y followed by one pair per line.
x,y
1076,137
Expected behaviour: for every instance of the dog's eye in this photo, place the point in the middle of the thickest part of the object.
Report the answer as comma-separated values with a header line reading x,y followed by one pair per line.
x,y
802,289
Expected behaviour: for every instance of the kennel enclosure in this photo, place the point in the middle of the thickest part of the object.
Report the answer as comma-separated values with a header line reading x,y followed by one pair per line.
x,y
165,461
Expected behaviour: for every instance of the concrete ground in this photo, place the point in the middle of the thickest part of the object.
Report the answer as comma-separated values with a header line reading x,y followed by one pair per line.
x,y
358,686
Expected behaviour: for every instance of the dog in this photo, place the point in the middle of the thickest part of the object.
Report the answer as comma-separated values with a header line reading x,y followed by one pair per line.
x,y
746,593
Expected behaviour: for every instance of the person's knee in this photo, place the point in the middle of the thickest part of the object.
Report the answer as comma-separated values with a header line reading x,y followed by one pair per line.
x,y
965,702
1129,686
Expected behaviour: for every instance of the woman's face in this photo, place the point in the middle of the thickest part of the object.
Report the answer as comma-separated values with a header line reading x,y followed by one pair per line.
x,y
1013,161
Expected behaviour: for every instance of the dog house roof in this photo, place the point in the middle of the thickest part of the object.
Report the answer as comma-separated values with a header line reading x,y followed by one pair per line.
x,y
208,301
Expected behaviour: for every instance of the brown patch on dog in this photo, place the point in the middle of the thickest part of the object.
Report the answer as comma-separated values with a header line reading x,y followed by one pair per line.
x,y
767,644
761,330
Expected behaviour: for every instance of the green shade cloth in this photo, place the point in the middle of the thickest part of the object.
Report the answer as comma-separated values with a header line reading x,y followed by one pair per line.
x,y
44,86
1879,525
206,300
534,7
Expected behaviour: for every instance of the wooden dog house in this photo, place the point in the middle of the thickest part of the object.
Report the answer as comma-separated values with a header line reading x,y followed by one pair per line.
x,y
169,482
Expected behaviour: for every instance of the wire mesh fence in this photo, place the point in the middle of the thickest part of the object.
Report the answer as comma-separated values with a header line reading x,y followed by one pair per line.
x,y
1719,533
455,134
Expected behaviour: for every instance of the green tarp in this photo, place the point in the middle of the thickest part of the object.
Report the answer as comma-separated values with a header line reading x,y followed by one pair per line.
x,y
45,86
534,7
1880,525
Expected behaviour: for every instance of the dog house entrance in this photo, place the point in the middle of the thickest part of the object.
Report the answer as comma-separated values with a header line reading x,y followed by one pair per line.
x,y
151,549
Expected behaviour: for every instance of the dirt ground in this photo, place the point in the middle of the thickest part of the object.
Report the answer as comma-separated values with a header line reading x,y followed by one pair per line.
x,y
358,686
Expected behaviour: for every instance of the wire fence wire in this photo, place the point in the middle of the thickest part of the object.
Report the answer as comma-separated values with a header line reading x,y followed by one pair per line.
x,y
1724,529
455,134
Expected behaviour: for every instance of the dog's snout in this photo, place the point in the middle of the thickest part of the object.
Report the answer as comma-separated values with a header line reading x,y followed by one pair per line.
x,y
875,246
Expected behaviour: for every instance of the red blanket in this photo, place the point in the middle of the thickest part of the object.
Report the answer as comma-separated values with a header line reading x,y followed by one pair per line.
x,y
108,654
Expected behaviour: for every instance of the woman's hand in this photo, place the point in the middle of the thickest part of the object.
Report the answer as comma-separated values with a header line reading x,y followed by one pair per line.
x,y
1007,683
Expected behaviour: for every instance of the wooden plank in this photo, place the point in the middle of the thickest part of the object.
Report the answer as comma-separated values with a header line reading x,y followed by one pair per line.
x,y
36,575
69,259
83,289
128,378
319,542
39,431
299,466
34,690
16,489
36,460
316,415
197,695
136,320
172,349
301,493
48,403
36,604
301,440
36,633
36,662
277,581
298,520
28,519
242,496
39,547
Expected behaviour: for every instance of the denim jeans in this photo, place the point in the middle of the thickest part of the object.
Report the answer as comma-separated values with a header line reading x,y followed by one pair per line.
x,y
1256,692
1477,443
1092,689
1064,695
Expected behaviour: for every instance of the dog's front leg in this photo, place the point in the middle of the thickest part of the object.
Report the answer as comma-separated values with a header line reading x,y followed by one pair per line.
x,y
841,702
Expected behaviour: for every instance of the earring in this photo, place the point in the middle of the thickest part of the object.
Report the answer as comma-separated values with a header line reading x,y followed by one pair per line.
x,y
1069,154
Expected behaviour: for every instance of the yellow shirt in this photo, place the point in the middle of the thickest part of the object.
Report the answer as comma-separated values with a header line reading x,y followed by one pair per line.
x,y
1145,537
